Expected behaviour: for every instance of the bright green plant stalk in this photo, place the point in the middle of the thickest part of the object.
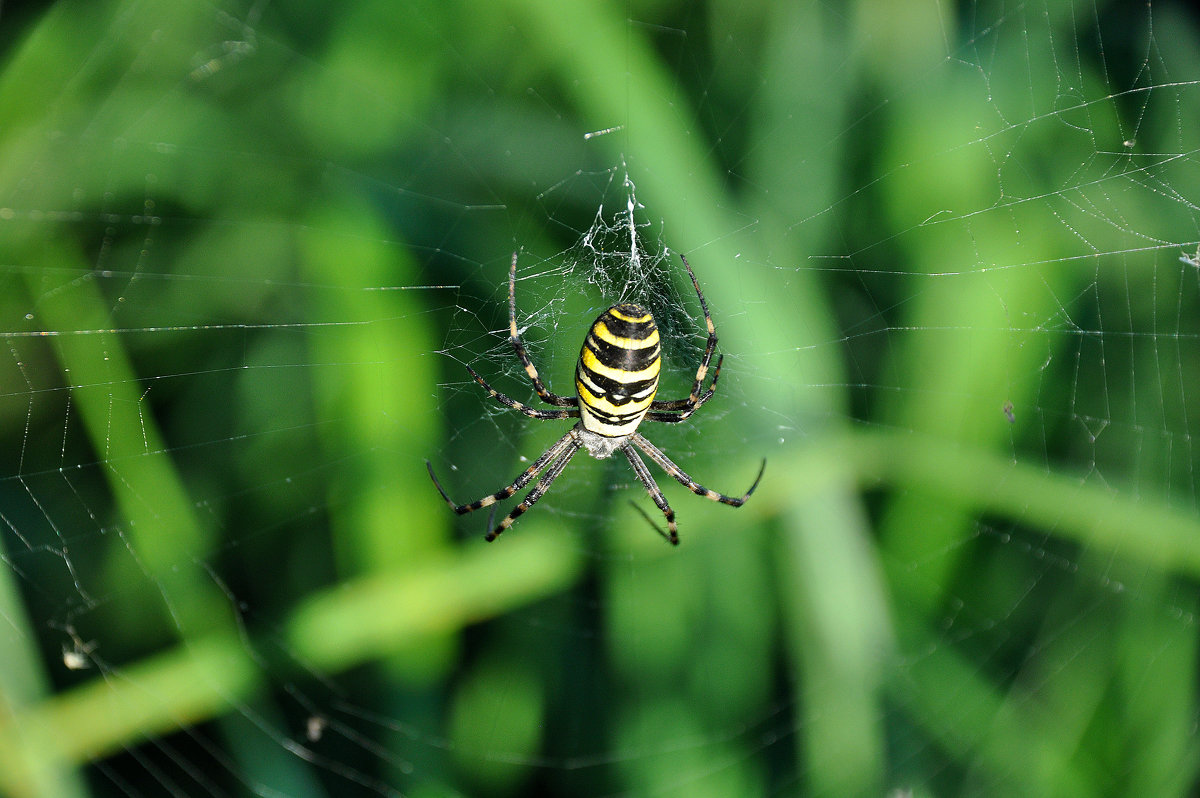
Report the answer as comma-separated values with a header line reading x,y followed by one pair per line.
x,y
366,619
23,685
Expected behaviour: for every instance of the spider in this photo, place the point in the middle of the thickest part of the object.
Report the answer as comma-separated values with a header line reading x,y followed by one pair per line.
x,y
616,378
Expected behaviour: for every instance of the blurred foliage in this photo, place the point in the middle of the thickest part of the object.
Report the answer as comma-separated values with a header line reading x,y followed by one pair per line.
x,y
216,410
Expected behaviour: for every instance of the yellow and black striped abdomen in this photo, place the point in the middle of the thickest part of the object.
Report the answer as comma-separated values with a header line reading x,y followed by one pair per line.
x,y
617,374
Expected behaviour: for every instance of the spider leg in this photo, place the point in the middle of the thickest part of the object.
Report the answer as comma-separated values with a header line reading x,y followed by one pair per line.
x,y
650,521
532,412
683,408
524,479
514,338
664,462
568,451
656,494
695,398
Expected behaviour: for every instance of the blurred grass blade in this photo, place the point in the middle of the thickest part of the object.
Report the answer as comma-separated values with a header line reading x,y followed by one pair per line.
x,y
1061,505
343,627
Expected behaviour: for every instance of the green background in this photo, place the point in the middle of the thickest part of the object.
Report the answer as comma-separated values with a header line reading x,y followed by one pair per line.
x,y
242,247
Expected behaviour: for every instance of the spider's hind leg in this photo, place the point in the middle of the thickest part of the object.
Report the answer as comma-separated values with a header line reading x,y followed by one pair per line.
x,y
532,412
514,337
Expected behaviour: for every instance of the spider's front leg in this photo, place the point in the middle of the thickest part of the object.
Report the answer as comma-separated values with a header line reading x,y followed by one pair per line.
x,y
656,495
541,487
566,446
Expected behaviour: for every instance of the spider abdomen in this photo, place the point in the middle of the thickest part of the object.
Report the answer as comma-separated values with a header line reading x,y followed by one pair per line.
x,y
617,373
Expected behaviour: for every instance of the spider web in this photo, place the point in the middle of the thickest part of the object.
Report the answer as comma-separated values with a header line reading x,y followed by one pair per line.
x,y
951,255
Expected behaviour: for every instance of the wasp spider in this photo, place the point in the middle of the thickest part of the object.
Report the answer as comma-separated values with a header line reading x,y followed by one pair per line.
x,y
616,378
